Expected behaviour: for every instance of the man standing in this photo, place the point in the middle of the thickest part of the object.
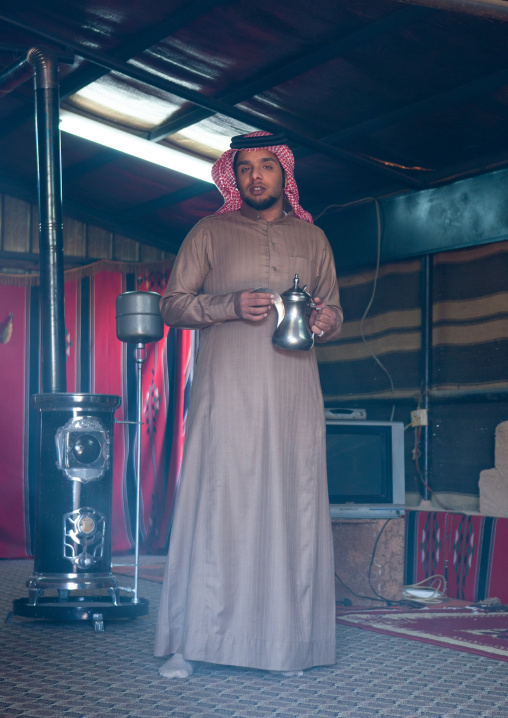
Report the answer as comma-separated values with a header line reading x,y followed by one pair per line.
x,y
249,578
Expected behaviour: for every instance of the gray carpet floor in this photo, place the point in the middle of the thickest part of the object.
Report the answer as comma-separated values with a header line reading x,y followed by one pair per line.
x,y
52,669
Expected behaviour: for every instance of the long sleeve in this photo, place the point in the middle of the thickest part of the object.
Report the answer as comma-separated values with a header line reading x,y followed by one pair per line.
x,y
183,305
327,289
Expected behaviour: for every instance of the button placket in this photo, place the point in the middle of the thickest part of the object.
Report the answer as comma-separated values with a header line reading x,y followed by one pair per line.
x,y
265,250
271,245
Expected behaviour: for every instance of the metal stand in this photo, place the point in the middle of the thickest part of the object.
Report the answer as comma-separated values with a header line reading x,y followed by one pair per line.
x,y
138,321
140,358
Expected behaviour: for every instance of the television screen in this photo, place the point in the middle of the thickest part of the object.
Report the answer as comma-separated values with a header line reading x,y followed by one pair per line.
x,y
359,464
365,464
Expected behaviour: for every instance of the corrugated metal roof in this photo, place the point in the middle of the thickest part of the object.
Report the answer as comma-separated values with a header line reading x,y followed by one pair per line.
x,y
376,97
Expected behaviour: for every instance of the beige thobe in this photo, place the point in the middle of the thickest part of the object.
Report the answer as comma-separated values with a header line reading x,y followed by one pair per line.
x,y
249,578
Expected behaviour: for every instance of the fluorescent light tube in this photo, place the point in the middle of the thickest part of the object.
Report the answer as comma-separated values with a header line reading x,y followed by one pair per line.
x,y
136,146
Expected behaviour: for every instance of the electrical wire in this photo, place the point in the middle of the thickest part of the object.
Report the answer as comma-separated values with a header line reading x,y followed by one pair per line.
x,y
366,200
373,557
358,595
416,456
418,429
436,586
378,597
371,300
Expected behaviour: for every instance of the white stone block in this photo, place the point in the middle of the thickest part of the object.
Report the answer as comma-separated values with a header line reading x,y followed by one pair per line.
x,y
493,487
501,448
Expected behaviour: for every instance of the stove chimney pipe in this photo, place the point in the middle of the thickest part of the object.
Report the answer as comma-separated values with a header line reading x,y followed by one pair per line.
x,y
49,181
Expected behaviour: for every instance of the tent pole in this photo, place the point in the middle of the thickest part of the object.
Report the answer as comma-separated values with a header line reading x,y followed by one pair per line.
x,y
426,362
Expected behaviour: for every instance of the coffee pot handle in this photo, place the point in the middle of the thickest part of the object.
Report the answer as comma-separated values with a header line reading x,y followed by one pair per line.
x,y
312,305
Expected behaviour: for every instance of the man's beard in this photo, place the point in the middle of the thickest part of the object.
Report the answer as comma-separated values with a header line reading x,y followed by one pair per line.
x,y
260,204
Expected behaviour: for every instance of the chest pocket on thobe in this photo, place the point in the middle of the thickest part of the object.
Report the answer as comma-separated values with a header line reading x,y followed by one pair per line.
x,y
306,270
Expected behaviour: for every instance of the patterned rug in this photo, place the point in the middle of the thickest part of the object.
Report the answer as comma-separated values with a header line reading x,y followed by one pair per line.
x,y
470,629
51,669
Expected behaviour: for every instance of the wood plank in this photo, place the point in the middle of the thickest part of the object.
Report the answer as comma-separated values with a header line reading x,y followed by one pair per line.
x,y
100,243
16,225
74,237
150,254
35,228
125,249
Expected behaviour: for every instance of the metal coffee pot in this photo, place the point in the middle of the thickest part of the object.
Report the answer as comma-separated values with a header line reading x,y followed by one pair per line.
x,y
292,330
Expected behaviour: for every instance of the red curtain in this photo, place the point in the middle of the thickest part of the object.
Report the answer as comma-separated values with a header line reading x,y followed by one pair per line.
x,y
97,362
13,420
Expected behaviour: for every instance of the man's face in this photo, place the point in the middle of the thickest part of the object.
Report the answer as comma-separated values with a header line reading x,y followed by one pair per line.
x,y
259,178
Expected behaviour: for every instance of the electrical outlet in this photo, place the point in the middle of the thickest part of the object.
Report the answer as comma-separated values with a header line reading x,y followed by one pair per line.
x,y
419,417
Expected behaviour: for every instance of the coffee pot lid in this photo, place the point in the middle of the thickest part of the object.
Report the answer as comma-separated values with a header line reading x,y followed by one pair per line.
x,y
296,293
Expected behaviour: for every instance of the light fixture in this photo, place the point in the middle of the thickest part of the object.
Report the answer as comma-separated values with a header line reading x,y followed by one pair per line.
x,y
136,146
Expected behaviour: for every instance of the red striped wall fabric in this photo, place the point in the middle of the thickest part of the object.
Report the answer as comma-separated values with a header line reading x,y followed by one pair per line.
x,y
96,362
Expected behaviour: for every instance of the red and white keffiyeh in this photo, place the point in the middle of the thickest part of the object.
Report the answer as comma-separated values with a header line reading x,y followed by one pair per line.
x,y
223,175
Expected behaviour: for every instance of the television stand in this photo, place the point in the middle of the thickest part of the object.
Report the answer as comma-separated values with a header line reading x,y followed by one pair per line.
x,y
353,544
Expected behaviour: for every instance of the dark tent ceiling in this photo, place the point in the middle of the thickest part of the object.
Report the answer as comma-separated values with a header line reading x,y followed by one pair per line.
x,y
377,97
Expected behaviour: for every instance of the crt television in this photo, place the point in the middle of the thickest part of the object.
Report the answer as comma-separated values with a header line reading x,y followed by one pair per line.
x,y
365,466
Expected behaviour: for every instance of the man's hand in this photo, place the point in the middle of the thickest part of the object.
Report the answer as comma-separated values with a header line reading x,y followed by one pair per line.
x,y
322,319
253,306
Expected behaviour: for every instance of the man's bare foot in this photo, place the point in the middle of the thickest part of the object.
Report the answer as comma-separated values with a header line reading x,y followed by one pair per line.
x,y
176,667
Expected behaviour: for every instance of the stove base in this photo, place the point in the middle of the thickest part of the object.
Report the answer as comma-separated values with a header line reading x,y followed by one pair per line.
x,y
81,608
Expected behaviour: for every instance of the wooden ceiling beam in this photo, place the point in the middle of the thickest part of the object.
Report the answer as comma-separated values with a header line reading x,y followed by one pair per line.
x,y
218,107
85,75
90,164
194,190
491,9
140,43
296,66
485,164
426,106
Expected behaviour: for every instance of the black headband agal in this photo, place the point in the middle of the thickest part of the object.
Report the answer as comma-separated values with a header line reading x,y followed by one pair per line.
x,y
243,142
